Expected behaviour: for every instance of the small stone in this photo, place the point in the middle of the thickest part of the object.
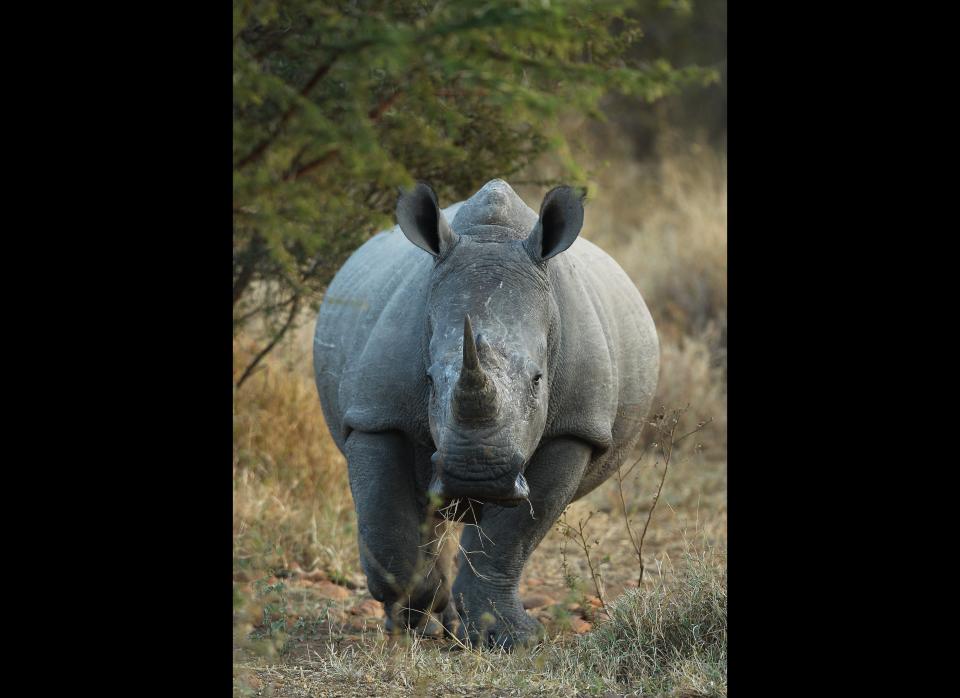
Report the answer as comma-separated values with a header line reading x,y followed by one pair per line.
x,y
595,601
580,626
537,601
432,628
368,609
534,582
249,680
330,590
337,616
359,625
573,607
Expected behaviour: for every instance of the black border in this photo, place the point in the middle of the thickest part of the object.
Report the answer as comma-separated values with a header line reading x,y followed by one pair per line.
x,y
148,331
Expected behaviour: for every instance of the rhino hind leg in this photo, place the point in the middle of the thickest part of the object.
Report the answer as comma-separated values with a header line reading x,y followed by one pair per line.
x,y
486,590
406,569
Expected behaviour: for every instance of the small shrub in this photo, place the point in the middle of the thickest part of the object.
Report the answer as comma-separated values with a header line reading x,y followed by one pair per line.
x,y
673,636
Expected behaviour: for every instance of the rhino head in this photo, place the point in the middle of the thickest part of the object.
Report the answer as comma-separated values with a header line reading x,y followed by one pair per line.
x,y
492,332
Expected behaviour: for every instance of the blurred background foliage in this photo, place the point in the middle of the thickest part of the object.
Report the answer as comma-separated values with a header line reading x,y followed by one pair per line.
x,y
337,104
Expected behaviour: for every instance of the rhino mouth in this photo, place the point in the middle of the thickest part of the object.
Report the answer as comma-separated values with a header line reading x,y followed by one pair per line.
x,y
491,474
499,492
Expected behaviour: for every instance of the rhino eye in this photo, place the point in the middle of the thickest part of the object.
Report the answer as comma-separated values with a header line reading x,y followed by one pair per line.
x,y
536,379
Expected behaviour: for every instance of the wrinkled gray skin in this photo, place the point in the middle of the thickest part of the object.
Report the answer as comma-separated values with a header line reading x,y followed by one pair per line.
x,y
482,353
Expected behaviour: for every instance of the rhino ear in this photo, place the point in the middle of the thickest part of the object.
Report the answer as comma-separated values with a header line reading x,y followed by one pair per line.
x,y
422,221
561,217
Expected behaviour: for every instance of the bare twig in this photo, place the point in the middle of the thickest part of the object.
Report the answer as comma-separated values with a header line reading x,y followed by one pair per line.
x,y
448,513
656,498
263,310
273,342
579,536
665,444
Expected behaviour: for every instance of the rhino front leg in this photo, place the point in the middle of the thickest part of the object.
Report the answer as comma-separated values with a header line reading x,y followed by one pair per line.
x,y
486,590
393,534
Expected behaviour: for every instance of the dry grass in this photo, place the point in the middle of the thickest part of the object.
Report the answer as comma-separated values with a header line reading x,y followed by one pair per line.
x,y
673,636
666,225
690,375
292,502
668,640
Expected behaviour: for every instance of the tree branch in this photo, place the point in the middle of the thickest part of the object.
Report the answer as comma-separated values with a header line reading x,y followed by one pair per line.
x,y
375,114
263,310
378,110
245,276
666,454
312,165
265,143
273,342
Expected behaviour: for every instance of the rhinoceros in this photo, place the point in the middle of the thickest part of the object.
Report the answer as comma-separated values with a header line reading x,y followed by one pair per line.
x,y
483,360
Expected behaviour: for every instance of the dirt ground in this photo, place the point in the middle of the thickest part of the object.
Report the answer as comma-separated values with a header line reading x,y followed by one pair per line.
x,y
557,587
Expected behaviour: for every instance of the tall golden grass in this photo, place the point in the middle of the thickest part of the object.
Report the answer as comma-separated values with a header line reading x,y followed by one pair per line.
x,y
665,223
292,502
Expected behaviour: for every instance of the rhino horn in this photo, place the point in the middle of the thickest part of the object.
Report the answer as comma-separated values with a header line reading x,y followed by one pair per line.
x,y
471,360
475,395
